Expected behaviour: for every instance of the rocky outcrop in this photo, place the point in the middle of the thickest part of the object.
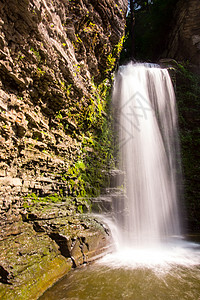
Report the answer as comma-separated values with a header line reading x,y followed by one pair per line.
x,y
54,56
46,243
56,62
184,43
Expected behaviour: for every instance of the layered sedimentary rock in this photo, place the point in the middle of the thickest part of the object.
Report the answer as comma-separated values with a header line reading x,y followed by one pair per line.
x,y
53,57
43,246
184,41
56,60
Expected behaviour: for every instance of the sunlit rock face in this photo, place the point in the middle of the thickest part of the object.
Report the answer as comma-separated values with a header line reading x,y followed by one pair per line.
x,y
53,54
185,37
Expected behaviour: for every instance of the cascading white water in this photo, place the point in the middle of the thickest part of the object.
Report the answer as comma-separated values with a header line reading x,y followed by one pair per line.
x,y
146,121
147,231
145,268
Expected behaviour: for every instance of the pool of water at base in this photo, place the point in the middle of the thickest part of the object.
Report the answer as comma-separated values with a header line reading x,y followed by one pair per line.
x,y
140,274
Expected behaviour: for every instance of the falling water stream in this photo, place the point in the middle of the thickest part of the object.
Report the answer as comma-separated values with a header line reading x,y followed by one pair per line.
x,y
152,259
144,101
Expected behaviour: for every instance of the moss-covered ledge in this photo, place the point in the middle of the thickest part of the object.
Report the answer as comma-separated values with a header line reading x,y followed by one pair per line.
x,y
46,241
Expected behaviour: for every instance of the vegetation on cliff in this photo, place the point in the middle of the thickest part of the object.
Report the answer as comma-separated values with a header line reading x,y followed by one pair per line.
x,y
188,95
55,89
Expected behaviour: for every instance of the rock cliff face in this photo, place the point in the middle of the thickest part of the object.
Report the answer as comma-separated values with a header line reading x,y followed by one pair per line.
x,y
184,41
56,60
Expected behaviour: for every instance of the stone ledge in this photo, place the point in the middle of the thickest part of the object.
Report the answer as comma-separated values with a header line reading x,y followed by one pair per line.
x,y
38,251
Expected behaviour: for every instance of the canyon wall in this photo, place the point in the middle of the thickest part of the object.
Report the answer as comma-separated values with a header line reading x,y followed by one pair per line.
x,y
56,64
184,46
184,41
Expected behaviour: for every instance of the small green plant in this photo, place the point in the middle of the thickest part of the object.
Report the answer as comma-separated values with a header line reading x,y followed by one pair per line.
x,y
36,53
40,72
68,90
111,59
32,197
43,132
90,27
80,209
45,151
39,199
59,115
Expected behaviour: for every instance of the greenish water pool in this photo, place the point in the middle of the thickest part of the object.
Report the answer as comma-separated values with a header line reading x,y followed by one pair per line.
x,y
140,274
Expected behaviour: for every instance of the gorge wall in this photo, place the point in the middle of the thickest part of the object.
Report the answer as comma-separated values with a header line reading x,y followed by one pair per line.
x,y
56,63
184,46
184,41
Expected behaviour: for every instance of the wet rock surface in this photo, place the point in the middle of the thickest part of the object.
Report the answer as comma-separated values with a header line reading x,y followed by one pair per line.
x,y
43,244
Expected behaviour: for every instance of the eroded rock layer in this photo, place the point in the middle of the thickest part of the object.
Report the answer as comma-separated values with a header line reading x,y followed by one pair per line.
x,y
56,62
54,56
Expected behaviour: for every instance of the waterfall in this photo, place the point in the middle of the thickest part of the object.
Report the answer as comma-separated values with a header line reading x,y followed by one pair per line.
x,y
146,124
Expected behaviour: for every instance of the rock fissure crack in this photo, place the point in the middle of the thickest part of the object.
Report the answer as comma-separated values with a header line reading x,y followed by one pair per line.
x,y
4,275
